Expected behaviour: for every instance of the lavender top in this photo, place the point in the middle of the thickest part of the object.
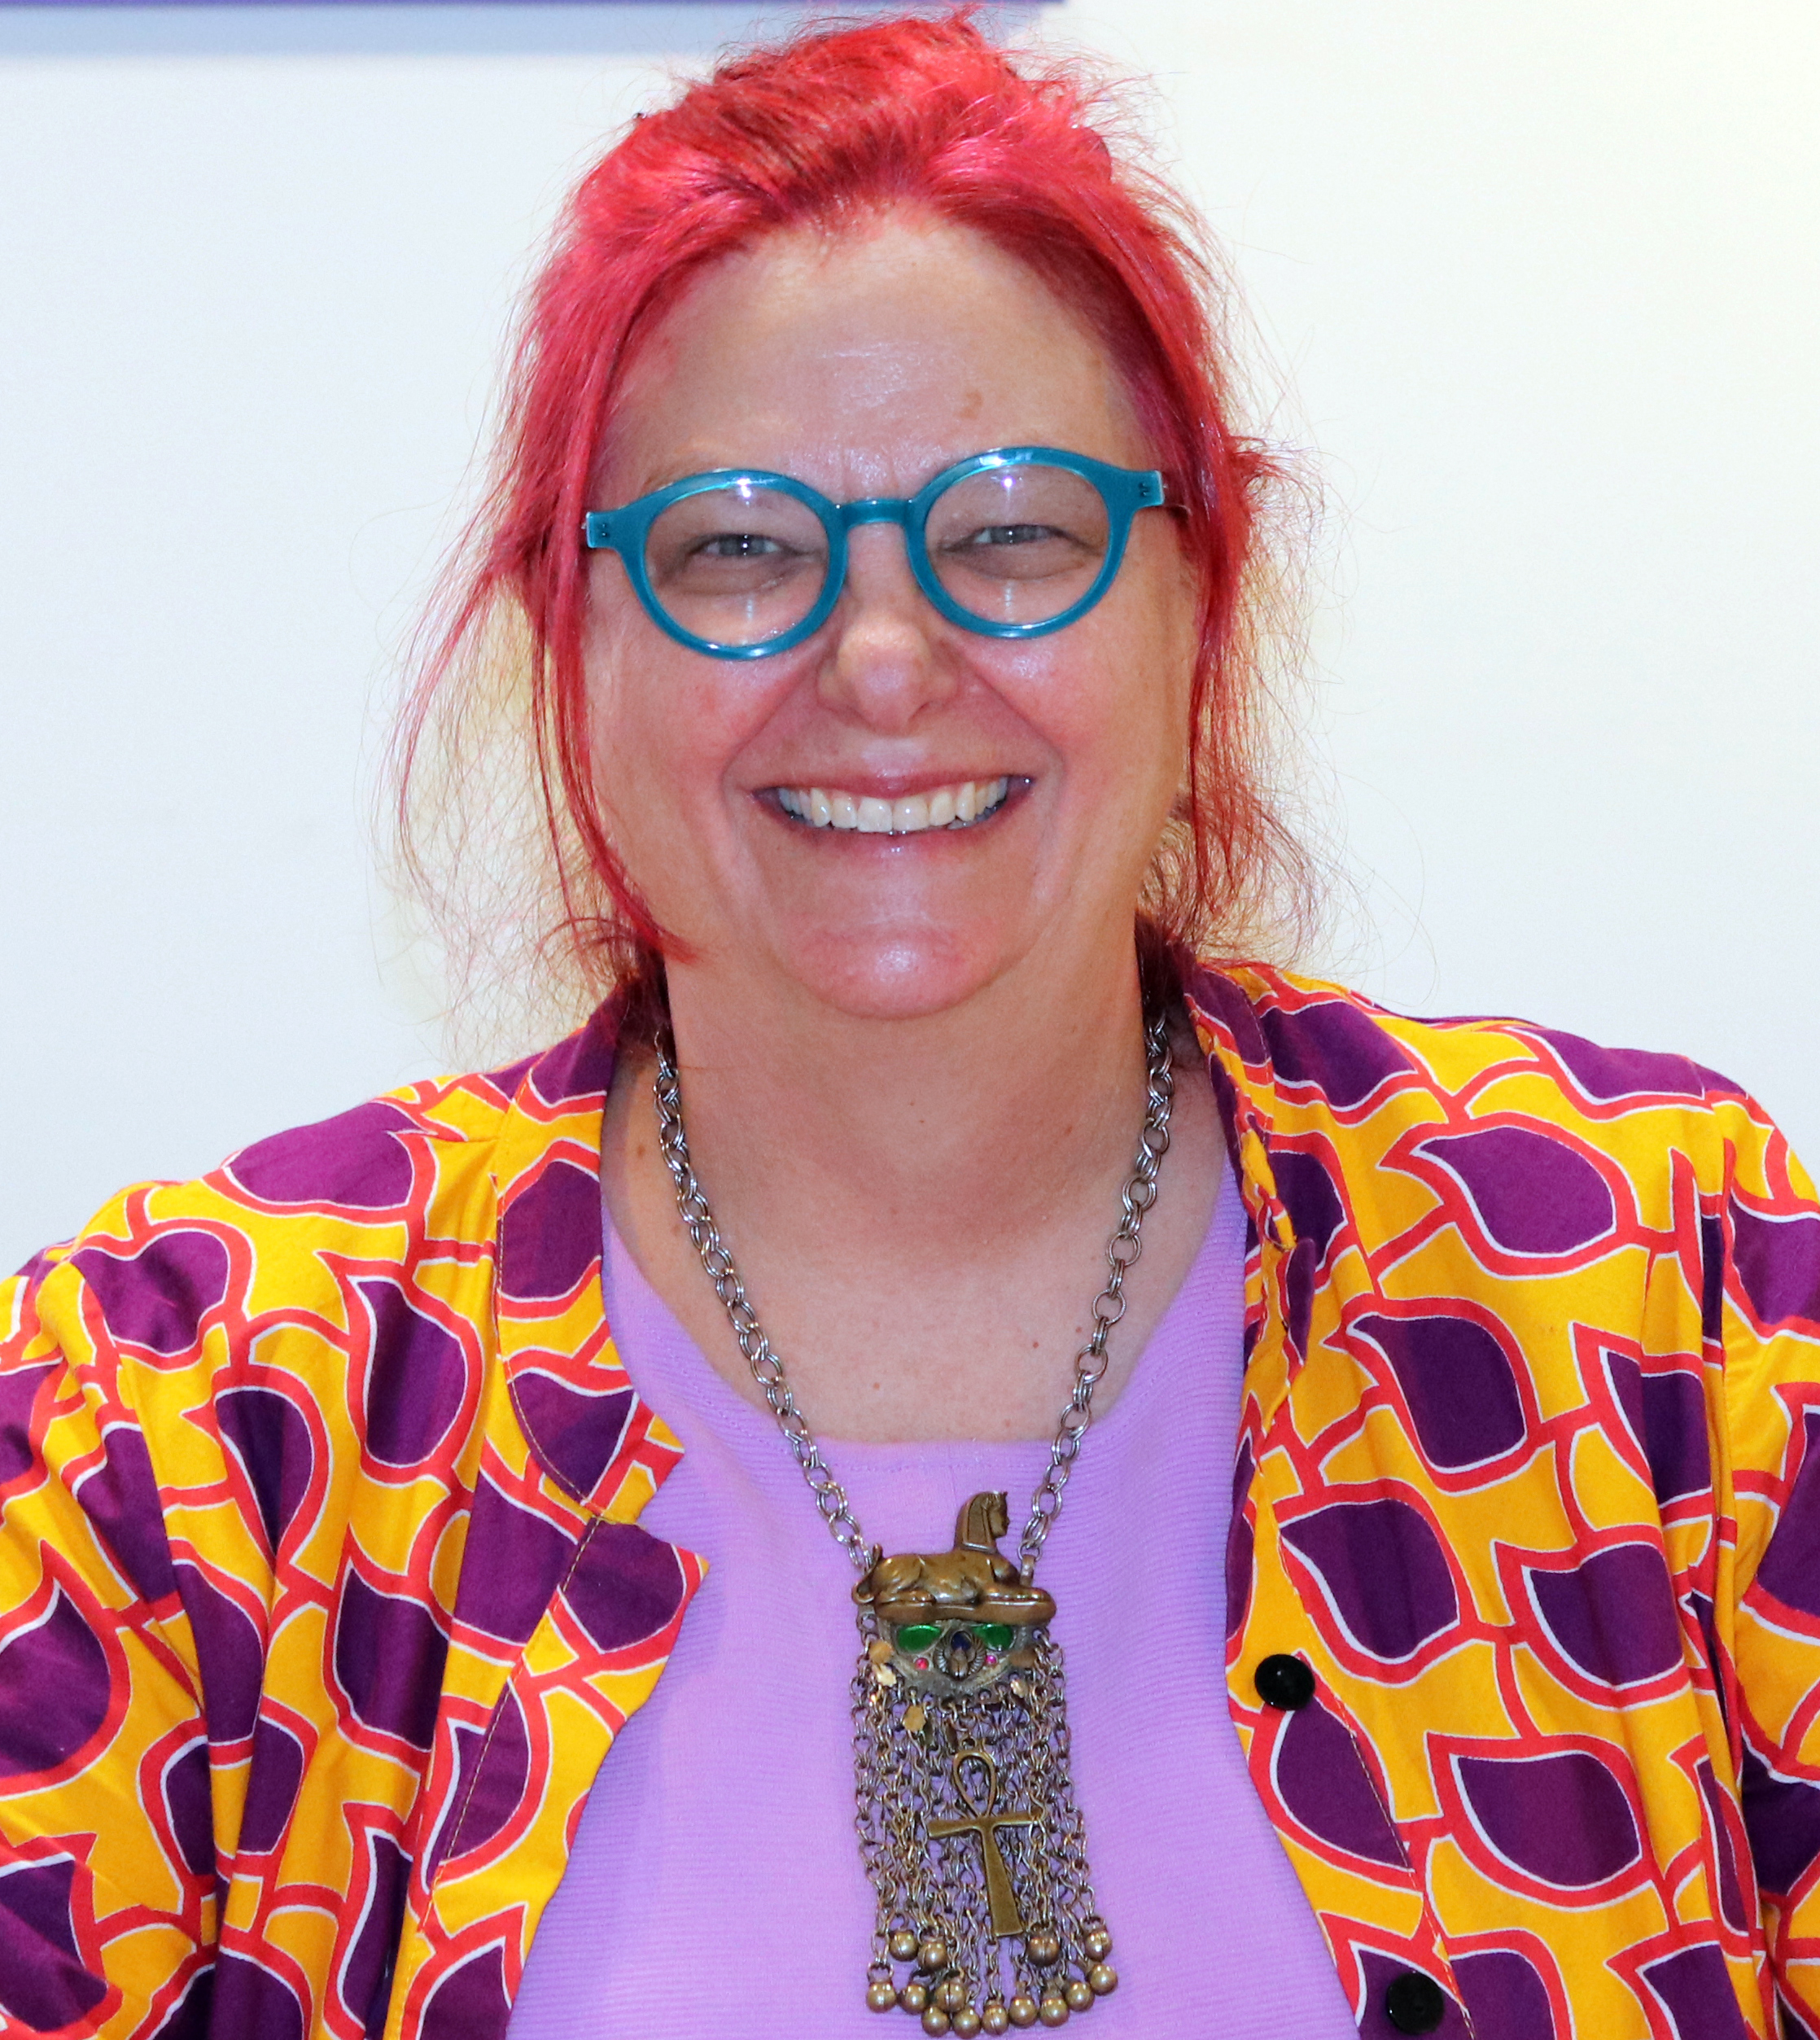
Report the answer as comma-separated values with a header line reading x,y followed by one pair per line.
x,y
715,1886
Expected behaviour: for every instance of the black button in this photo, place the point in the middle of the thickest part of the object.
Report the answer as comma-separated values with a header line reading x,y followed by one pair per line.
x,y
1287,1683
1415,2003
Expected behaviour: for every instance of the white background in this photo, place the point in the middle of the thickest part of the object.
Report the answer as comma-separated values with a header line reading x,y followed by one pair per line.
x,y
1539,285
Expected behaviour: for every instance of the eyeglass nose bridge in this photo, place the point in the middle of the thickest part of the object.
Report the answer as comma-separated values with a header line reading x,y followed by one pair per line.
x,y
871,510
876,510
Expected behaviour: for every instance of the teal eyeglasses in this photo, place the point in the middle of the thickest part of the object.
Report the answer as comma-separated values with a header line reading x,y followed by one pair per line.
x,y
741,563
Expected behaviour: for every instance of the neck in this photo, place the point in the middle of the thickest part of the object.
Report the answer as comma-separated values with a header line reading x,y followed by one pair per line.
x,y
920,1208
912,1138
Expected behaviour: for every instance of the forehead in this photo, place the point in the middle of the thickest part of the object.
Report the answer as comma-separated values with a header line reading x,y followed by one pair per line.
x,y
863,361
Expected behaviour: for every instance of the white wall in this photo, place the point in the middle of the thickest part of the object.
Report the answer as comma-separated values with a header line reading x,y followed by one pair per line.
x,y
1543,279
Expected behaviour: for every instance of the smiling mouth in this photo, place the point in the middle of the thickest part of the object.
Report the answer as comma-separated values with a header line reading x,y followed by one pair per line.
x,y
956,807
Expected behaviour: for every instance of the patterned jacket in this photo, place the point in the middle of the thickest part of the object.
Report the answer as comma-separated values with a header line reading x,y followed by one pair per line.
x,y
324,1594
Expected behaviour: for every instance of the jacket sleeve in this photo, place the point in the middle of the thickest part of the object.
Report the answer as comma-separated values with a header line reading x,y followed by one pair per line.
x,y
1764,1306
106,1845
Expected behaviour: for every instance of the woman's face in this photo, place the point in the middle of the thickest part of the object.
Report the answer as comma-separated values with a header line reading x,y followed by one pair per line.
x,y
864,365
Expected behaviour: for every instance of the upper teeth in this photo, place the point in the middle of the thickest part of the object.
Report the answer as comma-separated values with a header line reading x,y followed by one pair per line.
x,y
945,807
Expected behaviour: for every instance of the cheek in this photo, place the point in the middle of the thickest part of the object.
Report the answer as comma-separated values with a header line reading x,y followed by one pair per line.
x,y
1153,660
666,726
643,742
610,658
1128,731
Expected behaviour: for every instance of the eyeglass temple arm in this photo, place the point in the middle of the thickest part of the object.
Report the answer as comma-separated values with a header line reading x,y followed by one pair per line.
x,y
596,532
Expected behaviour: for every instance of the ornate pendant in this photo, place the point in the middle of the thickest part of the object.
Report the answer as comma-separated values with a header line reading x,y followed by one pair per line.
x,y
966,1813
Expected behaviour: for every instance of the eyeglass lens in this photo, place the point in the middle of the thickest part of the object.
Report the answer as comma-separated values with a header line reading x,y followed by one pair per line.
x,y
1010,546
1017,545
737,565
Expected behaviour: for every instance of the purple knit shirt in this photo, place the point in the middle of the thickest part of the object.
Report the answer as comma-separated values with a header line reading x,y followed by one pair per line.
x,y
715,1886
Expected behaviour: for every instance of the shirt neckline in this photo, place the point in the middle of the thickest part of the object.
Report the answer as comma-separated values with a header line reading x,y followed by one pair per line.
x,y
678,1377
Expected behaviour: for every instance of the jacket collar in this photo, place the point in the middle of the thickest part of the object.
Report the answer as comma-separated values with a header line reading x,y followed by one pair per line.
x,y
589,1429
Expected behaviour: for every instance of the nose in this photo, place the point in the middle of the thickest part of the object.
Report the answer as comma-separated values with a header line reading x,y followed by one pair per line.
x,y
890,659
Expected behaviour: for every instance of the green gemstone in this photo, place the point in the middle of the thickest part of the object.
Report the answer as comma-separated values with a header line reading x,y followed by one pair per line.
x,y
994,1636
920,1635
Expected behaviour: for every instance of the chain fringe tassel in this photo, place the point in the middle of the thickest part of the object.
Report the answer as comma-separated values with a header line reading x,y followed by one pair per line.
x,y
975,1847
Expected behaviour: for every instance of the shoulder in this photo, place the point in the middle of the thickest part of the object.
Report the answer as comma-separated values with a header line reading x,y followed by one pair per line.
x,y
1547,1149
1306,1052
399,1193
375,1181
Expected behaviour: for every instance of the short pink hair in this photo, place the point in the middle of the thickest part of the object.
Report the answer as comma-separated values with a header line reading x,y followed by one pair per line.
x,y
831,126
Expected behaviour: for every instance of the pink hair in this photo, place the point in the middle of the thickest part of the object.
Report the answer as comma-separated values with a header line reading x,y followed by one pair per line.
x,y
831,126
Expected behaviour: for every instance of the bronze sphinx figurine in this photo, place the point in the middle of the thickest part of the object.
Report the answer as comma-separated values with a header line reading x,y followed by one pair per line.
x,y
959,1621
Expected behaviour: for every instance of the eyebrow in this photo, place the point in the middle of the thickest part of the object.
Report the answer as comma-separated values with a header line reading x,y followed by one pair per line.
x,y
662,476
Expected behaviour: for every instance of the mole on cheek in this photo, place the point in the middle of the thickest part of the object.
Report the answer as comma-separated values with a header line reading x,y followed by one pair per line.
x,y
970,404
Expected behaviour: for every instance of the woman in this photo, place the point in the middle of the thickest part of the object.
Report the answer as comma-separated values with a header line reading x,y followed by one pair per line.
x,y
363,1497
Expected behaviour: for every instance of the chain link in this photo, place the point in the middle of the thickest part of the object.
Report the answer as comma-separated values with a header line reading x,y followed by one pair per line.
x,y
1122,1251
767,1368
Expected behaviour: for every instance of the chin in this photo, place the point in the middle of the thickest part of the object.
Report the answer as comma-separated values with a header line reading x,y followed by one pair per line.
x,y
885,977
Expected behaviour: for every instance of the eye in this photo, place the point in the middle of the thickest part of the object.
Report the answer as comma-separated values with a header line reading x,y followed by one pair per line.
x,y
738,545
1011,535
994,1636
920,1635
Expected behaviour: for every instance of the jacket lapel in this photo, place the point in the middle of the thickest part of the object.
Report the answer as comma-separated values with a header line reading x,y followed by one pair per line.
x,y
567,1611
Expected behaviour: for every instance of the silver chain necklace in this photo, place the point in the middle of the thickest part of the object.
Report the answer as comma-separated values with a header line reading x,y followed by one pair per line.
x,y
969,1831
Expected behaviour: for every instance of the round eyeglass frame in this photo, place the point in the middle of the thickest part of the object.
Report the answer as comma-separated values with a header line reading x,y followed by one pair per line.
x,y
1124,491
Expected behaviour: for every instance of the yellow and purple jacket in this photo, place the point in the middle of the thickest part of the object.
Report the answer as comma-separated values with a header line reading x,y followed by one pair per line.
x,y
323,1596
